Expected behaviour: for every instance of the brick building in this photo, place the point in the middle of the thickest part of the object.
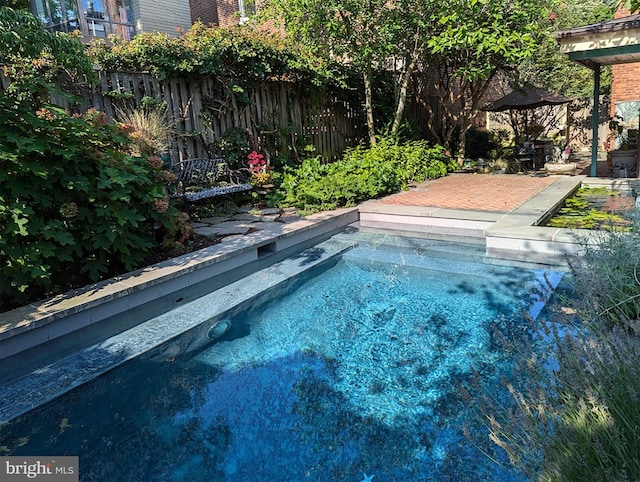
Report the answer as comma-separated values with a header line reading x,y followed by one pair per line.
x,y
625,87
221,12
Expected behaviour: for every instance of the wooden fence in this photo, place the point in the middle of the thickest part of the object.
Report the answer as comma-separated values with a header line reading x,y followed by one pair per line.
x,y
273,117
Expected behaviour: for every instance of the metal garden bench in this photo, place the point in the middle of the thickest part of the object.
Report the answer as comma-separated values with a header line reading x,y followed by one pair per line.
x,y
198,179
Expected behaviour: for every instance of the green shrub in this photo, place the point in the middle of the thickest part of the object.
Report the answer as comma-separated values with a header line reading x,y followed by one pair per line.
x,y
238,56
74,203
478,144
38,61
72,200
362,174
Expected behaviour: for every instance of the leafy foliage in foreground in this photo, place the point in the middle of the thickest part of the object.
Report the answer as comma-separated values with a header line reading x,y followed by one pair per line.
x,y
362,174
73,202
38,61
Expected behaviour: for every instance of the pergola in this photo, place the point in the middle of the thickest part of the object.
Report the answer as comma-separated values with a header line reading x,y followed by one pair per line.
x,y
607,43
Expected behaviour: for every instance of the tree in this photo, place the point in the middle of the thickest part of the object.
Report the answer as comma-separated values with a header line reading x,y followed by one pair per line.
x,y
16,4
38,61
461,45
551,69
360,32
471,41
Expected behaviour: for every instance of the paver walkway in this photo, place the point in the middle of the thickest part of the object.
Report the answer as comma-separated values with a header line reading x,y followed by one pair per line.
x,y
478,192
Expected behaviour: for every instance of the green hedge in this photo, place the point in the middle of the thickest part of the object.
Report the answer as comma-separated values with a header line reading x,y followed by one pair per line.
x,y
362,174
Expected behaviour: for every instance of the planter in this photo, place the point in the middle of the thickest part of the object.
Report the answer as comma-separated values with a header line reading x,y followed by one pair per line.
x,y
560,167
624,163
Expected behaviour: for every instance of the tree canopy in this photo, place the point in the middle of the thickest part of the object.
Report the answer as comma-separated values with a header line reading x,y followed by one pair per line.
x,y
16,4
361,33
38,60
551,69
466,40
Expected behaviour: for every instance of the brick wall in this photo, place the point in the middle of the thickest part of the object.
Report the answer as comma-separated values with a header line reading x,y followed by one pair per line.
x,y
228,12
204,10
626,77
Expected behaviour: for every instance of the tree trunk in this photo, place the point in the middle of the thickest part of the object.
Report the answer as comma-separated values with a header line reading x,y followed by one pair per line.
x,y
368,101
402,98
462,150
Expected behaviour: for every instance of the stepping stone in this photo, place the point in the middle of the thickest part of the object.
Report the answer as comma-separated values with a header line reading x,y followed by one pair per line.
x,y
248,217
270,218
289,219
270,211
207,231
234,223
214,219
222,231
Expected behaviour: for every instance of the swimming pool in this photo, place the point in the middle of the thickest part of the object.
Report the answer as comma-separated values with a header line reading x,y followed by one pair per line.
x,y
354,366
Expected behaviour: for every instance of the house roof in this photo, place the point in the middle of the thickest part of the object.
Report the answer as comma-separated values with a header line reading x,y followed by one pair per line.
x,y
613,42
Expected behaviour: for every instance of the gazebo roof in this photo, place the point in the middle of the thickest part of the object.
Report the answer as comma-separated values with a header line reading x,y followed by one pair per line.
x,y
607,43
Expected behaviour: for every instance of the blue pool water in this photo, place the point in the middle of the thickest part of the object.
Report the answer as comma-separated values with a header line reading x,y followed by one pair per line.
x,y
358,367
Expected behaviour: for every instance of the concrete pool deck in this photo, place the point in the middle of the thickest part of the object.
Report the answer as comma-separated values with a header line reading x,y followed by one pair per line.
x,y
502,212
506,213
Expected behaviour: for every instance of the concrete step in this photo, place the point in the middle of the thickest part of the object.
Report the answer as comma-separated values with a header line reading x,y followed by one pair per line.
x,y
430,223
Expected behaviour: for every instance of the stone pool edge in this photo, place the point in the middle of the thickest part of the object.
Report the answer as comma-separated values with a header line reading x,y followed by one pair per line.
x,y
43,321
518,235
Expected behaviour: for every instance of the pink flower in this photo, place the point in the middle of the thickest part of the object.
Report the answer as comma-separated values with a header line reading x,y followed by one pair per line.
x,y
256,163
155,162
45,114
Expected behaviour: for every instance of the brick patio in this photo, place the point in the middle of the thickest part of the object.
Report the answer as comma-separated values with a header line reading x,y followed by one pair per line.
x,y
479,192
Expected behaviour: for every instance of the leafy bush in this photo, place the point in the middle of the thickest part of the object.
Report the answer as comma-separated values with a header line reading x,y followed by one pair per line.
x,y
478,144
75,204
362,174
239,56
72,200
36,59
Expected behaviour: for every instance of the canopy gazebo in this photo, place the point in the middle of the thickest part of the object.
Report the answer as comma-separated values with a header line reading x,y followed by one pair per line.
x,y
526,98
607,43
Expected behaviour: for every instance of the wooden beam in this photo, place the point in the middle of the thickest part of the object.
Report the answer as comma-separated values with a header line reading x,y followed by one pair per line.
x,y
596,54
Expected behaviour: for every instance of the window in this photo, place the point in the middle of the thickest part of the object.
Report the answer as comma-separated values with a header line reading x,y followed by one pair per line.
x,y
246,8
58,15
98,18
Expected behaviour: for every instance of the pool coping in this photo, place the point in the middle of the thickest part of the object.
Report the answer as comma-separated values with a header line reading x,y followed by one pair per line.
x,y
518,235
